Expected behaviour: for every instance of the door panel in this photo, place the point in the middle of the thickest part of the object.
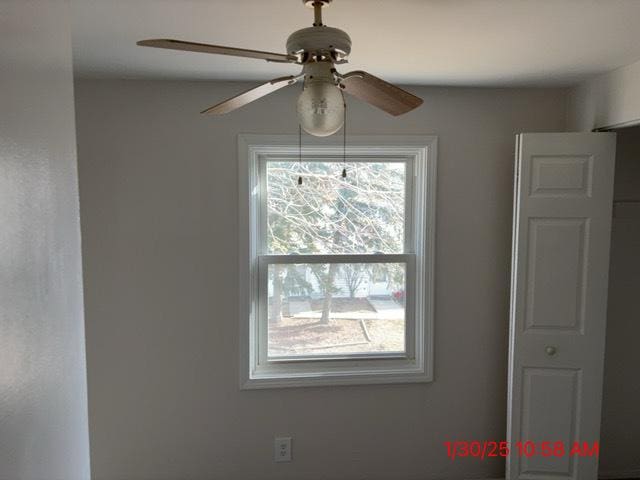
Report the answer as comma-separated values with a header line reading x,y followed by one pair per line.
x,y
549,403
556,261
562,222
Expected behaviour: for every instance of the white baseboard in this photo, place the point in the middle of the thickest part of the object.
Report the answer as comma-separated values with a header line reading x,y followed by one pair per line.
x,y
619,475
478,478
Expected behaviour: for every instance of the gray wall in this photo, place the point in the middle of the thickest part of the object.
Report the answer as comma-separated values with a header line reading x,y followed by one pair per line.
x,y
43,394
158,187
621,397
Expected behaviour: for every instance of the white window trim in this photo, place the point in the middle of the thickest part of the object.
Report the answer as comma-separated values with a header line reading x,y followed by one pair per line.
x,y
417,365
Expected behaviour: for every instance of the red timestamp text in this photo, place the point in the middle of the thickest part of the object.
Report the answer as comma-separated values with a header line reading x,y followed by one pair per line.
x,y
490,448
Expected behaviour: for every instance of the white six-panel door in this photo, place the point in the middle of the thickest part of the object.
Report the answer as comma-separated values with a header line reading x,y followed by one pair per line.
x,y
562,222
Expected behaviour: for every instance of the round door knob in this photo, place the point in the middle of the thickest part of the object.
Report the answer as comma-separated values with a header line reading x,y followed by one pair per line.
x,y
550,350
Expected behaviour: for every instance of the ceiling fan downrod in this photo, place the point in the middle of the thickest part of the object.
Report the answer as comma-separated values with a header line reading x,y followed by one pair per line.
x,y
317,10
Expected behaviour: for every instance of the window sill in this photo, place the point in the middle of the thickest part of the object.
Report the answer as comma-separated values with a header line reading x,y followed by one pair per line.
x,y
376,373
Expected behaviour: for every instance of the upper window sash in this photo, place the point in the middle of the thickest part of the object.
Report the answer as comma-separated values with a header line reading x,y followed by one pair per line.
x,y
408,241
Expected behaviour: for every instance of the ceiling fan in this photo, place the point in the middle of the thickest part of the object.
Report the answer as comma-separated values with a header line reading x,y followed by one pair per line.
x,y
318,49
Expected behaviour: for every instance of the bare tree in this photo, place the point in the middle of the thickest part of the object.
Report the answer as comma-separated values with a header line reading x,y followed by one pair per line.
x,y
354,275
286,280
275,313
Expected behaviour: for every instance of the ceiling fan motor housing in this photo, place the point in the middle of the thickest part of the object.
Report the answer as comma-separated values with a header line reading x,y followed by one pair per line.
x,y
317,41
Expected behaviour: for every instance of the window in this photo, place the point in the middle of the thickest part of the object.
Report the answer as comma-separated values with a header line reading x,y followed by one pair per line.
x,y
336,274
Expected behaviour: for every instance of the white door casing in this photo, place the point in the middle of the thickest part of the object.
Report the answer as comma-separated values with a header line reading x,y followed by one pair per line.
x,y
560,262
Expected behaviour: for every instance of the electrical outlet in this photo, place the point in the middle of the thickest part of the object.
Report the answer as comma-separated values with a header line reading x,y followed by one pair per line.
x,y
282,449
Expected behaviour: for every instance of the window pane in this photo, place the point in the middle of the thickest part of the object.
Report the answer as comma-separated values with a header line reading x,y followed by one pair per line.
x,y
328,309
362,213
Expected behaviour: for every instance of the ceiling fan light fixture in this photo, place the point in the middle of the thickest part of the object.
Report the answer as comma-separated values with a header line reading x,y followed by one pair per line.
x,y
321,109
321,104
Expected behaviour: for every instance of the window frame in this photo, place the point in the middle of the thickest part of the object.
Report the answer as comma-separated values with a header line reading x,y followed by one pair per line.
x,y
416,365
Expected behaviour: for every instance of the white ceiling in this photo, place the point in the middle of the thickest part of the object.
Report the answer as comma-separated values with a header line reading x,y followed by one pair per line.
x,y
432,42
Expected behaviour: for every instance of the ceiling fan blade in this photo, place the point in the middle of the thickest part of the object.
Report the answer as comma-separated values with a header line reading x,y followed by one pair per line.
x,y
206,48
252,94
379,93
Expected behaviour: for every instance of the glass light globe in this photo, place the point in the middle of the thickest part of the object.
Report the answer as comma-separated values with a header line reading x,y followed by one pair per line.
x,y
321,109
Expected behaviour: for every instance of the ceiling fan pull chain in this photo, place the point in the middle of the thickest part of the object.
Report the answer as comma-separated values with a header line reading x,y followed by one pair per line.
x,y
299,153
344,142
